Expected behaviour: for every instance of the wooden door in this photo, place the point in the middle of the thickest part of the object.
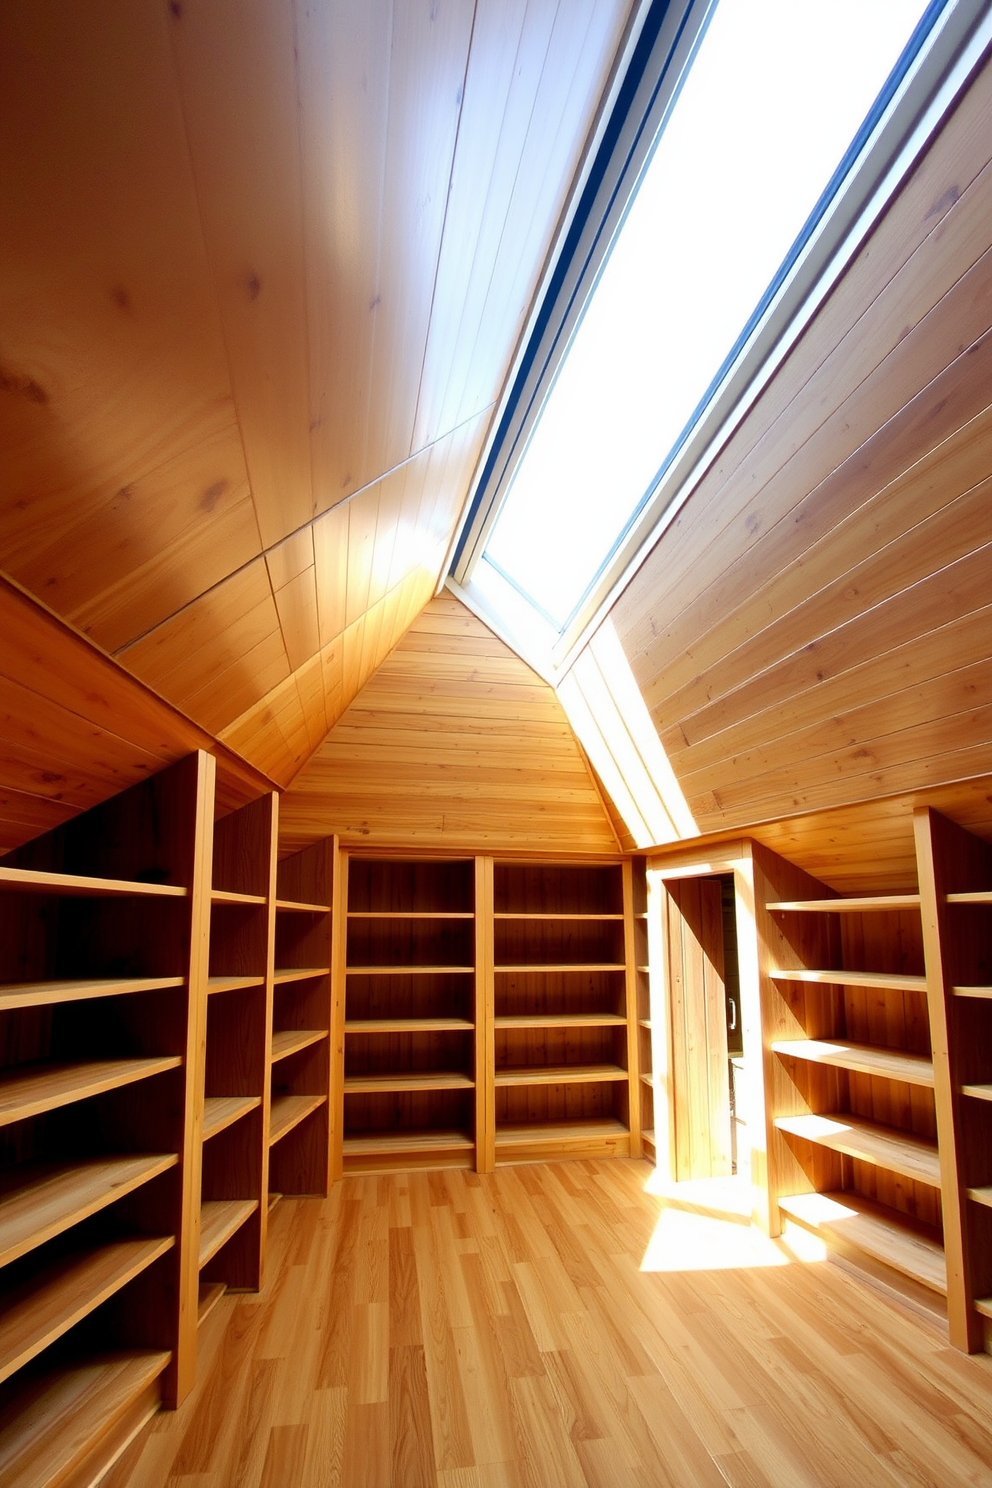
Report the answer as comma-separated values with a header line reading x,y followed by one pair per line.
x,y
697,1001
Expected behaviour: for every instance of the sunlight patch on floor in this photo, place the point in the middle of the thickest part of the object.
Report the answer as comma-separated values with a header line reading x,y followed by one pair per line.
x,y
696,1242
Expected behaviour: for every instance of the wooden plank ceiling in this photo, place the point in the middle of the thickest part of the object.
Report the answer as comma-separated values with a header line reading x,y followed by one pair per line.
x,y
814,628
263,267
453,744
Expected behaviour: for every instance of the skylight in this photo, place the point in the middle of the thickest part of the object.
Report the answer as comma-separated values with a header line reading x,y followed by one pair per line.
x,y
776,93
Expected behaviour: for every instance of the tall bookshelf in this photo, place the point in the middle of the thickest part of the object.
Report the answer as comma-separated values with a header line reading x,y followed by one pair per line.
x,y
410,1028
239,1016
102,991
300,1061
565,1015
849,1075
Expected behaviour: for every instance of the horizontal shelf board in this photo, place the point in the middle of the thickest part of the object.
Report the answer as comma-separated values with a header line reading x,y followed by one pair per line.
x,y
509,914
209,1295
561,1020
864,1059
374,1144
79,1406
229,896
222,1111
645,1023
411,914
973,896
647,1080
981,1196
874,1230
541,1133
219,1220
562,1074
984,992
29,1090
41,994
62,1293
288,1111
273,1200
299,906
979,1092
559,966
647,1135
233,983
984,1306
299,974
403,1081
854,905
899,982
408,1025
291,1040
410,970
36,881
49,1198
867,1142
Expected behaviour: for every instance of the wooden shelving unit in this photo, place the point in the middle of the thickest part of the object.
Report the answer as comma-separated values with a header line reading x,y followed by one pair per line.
x,y
955,871
565,1030
850,1071
409,1086
299,1054
103,930
231,1246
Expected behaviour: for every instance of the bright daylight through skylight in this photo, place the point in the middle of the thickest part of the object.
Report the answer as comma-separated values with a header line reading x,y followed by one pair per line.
x,y
777,92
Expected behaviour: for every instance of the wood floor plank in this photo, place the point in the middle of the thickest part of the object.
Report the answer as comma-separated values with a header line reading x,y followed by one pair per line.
x,y
560,1325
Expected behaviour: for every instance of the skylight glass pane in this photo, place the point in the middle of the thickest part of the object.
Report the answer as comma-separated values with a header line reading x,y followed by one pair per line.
x,y
776,94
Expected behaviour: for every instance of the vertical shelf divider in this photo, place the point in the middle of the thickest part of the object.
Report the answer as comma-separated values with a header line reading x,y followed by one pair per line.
x,y
485,993
631,1009
339,962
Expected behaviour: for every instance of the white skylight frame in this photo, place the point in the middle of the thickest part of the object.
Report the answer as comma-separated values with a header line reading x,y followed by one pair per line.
x,y
959,35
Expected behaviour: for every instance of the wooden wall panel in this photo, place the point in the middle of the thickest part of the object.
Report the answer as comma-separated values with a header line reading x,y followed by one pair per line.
x,y
453,743
813,628
75,728
259,260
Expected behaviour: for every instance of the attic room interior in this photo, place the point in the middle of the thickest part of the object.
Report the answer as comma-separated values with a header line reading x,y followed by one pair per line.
x,y
496,972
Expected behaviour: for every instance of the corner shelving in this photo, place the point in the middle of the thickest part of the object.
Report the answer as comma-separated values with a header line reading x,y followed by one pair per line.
x,y
409,1087
102,984
853,1145
956,892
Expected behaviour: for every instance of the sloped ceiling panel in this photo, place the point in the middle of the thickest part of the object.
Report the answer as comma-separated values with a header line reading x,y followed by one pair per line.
x,y
263,270
455,744
813,629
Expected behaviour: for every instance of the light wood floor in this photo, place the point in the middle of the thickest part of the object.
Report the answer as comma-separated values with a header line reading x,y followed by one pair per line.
x,y
489,1332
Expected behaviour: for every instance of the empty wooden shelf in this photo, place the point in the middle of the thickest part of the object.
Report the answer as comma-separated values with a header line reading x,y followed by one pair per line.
x,y
70,885
44,994
291,1040
564,1074
407,1081
220,1219
867,1142
865,1059
43,1200
44,1087
851,1219
90,1409
66,1290
288,1111
221,1111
